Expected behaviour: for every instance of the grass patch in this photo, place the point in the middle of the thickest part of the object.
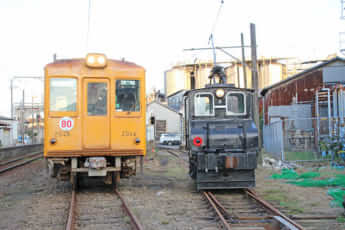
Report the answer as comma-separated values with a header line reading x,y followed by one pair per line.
x,y
341,219
280,197
165,222
294,156
176,172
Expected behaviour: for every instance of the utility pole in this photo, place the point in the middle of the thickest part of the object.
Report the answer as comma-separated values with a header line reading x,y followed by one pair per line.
x,y
255,80
32,120
243,62
12,116
23,120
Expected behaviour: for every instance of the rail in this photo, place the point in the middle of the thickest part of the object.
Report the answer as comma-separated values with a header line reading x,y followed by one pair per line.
x,y
253,195
71,216
19,161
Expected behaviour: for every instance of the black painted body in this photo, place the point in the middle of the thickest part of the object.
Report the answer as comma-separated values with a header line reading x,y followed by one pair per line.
x,y
224,137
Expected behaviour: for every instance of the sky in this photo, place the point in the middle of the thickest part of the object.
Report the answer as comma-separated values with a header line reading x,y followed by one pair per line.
x,y
153,33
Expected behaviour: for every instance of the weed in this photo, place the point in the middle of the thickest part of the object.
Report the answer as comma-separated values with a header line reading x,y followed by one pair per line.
x,y
341,219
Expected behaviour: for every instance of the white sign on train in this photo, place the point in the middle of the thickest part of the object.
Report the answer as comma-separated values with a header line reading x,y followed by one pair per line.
x,y
66,123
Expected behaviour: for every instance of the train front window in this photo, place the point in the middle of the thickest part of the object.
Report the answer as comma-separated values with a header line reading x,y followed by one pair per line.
x,y
203,104
235,104
127,96
97,99
63,94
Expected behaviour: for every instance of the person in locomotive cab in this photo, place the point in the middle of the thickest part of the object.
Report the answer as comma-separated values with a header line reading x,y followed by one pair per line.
x,y
127,101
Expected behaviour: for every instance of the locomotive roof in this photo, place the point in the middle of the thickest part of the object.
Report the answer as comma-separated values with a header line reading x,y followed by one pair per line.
x,y
219,86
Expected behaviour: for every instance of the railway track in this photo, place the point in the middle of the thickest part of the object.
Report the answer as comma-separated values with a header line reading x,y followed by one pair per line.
x,y
102,209
19,161
244,209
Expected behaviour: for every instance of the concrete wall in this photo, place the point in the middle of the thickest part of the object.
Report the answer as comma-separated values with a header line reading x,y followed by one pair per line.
x,y
13,152
160,112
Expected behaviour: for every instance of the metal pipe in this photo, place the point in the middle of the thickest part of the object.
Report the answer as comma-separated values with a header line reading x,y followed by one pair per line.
x,y
317,115
218,47
329,111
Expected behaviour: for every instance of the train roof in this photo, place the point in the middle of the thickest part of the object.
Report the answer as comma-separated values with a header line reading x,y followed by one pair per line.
x,y
79,64
210,86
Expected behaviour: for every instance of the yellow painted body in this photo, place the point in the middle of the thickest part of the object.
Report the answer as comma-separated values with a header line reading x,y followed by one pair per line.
x,y
114,134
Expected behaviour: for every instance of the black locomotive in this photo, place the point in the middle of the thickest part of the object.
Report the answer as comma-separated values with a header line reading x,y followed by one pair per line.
x,y
221,136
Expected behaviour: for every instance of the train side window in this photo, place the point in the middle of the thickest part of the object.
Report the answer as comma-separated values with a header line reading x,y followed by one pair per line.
x,y
235,104
203,104
97,99
63,95
127,96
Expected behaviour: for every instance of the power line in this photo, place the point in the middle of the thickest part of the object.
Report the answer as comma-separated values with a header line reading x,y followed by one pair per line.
x,y
88,26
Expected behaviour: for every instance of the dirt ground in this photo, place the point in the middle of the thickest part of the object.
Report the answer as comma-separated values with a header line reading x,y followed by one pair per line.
x,y
164,197
168,189
29,199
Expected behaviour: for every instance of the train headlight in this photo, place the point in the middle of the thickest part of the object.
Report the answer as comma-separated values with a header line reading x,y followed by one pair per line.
x,y
220,93
94,60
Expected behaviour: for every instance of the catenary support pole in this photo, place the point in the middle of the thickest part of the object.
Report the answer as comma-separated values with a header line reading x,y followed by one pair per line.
x,y
255,80
243,62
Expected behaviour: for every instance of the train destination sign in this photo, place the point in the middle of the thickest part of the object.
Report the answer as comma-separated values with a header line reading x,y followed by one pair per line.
x,y
66,123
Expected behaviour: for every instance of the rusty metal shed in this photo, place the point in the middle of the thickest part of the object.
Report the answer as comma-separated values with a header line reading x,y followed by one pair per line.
x,y
302,87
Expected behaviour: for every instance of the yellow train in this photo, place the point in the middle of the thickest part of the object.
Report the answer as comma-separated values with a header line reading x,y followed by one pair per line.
x,y
94,117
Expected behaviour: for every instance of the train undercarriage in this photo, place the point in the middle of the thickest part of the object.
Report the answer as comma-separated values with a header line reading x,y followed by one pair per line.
x,y
109,168
223,170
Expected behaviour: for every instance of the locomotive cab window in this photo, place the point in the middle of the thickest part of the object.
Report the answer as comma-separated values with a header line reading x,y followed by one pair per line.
x,y
97,99
203,104
235,104
63,94
127,96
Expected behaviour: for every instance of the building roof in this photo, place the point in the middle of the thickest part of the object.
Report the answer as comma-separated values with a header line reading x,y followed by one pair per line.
x,y
165,106
177,92
293,77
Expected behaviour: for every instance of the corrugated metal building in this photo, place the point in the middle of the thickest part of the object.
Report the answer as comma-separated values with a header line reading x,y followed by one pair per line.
x,y
302,87
305,108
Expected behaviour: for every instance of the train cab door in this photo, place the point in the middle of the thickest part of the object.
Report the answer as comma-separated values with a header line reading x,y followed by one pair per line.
x,y
96,113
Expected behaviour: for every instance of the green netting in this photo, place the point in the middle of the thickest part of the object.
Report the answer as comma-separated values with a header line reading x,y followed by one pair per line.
x,y
339,180
312,179
290,174
338,197
285,174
